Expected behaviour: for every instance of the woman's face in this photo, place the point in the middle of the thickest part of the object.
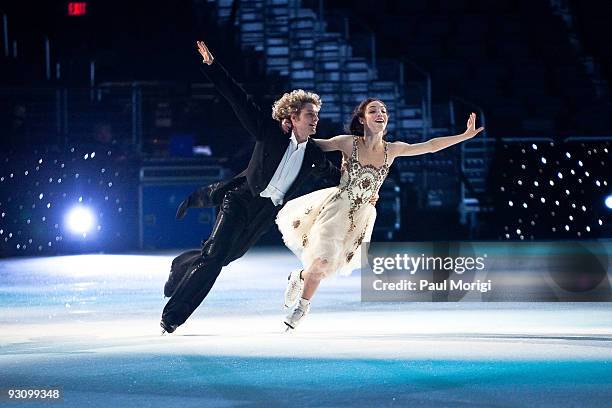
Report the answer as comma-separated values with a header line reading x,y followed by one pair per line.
x,y
375,117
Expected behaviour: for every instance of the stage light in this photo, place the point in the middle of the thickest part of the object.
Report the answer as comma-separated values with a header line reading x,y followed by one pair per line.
x,y
80,220
608,202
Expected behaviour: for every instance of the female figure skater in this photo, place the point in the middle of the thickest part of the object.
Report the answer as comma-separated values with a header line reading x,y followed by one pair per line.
x,y
326,228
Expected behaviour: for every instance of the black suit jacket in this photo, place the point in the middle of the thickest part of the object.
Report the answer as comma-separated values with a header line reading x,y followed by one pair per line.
x,y
270,146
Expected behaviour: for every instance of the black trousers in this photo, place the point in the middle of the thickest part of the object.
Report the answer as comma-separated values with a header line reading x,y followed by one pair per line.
x,y
241,221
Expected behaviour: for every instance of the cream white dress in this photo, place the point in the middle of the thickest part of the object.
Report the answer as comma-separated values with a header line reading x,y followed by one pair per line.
x,y
332,223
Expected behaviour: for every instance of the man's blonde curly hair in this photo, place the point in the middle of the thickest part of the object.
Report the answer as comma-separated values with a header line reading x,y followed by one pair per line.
x,y
293,102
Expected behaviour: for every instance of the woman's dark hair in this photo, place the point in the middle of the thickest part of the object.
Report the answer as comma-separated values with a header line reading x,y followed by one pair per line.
x,y
356,128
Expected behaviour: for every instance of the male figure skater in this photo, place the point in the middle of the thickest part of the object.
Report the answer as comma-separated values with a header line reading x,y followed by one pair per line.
x,y
248,204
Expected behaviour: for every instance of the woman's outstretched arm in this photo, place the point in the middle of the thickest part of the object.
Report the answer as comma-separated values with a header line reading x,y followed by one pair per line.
x,y
436,144
343,143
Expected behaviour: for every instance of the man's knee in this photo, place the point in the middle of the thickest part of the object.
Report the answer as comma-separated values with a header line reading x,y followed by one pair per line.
x,y
213,250
227,226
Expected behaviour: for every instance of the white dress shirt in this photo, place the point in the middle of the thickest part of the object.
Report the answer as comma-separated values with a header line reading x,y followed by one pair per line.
x,y
286,172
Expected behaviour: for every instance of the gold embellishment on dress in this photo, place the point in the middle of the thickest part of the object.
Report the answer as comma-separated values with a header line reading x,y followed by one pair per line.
x,y
304,240
296,223
362,182
344,165
360,239
349,256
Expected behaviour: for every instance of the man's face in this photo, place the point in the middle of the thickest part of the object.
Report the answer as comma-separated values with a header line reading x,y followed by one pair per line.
x,y
305,122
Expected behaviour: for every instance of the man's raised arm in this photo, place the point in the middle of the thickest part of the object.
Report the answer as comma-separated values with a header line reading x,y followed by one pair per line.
x,y
246,109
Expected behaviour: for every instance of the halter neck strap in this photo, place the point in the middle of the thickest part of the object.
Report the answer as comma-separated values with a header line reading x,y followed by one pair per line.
x,y
355,152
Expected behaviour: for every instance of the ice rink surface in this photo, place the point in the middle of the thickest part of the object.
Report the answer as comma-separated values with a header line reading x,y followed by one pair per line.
x,y
90,325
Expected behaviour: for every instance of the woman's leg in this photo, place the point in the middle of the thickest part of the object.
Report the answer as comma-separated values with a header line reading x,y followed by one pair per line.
x,y
312,277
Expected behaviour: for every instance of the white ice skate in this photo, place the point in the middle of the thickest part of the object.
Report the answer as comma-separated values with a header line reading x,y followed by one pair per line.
x,y
297,314
295,286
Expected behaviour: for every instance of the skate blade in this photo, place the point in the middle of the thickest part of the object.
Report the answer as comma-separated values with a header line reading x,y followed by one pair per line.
x,y
288,328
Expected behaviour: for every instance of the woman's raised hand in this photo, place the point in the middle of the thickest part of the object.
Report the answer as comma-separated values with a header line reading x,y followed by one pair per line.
x,y
471,130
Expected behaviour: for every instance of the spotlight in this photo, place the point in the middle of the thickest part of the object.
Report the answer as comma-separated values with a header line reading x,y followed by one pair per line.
x,y
80,220
609,202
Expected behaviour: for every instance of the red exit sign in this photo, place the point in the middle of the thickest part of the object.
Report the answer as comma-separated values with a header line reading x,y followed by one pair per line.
x,y
77,8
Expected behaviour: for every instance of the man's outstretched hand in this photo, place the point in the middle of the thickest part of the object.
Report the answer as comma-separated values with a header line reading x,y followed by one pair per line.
x,y
207,56
197,199
182,209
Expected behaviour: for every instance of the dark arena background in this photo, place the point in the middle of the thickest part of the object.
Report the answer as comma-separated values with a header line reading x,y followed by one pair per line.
x,y
107,123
